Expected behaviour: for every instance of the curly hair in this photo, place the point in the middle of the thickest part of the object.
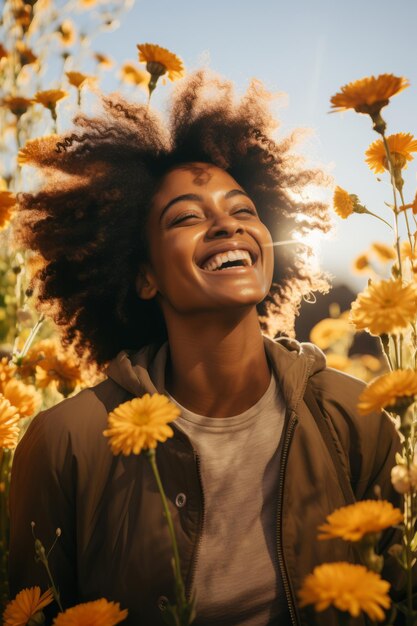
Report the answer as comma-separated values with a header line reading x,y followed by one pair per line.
x,y
87,221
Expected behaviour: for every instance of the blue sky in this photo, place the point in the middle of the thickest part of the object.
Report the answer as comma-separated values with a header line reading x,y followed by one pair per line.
x,y
307,49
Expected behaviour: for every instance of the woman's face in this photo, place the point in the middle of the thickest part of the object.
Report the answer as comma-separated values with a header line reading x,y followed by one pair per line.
x,y
208,248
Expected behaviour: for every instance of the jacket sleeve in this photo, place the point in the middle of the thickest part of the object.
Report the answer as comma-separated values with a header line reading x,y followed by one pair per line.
x,y
42,492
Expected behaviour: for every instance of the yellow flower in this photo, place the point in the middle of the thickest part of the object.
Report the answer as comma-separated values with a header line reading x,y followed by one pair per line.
x,y
140,423
347,587
132,74
168,61
9,418
361,263
396,389
328,331
368,95
50,98
160,61
26,605
384,252
87,3
338,361
18,105
56,368
7,207
35,148
77,79
345,203
353,522
67,33
96,613
401,145
7,370
385,307
103,60
23,397
406,251
26,55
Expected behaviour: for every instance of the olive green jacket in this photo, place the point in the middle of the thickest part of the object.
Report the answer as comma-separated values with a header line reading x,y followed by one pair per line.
x,y
114,541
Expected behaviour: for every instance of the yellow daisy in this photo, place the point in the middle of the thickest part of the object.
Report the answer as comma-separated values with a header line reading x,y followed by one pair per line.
x,y
57,368
77,79
96,613
66,32
407,253
347,587
168,62
140,423
345,203
395,390
384,252
361,263
24,397
401,146
26,55
9,418
18,105
7,370
160,61
103,60
385,307
329,331
34,149
26,605
134,75
353,522
7,207
50,97
368,95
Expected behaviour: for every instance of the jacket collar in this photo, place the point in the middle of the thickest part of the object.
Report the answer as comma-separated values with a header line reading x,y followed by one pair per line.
x,y
292,362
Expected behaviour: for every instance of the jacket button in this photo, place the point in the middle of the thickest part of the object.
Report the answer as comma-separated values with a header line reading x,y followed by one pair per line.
x,y
162,603
180,500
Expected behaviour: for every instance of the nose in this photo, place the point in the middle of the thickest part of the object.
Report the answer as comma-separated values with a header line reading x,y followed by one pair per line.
x,y
224,225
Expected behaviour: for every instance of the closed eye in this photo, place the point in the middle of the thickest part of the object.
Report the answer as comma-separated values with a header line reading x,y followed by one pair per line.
x,y
246,209
182,218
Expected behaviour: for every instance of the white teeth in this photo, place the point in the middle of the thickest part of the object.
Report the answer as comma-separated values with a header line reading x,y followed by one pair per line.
x,y
216,261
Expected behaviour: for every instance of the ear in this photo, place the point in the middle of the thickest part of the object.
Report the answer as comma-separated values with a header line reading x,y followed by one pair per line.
x,y
146,284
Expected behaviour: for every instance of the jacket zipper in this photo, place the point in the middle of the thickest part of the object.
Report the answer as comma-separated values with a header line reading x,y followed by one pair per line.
x,y
284,575
200,533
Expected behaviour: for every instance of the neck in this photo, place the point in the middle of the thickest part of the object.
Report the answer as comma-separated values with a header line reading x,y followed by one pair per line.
x,y
217,368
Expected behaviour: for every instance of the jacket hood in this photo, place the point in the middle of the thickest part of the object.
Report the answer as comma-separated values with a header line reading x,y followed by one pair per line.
x,y
293,364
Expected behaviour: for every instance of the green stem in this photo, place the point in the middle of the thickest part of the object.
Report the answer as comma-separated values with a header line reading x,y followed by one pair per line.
x,y
391,172
410,238
181,600
379,218
31,337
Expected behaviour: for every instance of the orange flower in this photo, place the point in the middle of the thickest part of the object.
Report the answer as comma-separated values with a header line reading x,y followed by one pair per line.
x,y
24,397
96,613
353,522
347,587
18,105
9,419
369,94
160,61
361,263
3,51
56,368
412,205
77,79
7,370
26,55
395,390
103,60
134,75
384,252
67,33
401,146
385,307
26,605
7,206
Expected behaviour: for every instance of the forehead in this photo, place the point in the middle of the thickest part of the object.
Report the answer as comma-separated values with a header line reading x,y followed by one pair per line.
x,y
196,177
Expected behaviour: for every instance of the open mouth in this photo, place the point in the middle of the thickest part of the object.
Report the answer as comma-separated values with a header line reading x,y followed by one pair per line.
x,y
226,260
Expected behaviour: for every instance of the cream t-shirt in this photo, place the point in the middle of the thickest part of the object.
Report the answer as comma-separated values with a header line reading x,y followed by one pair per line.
x,y
237,576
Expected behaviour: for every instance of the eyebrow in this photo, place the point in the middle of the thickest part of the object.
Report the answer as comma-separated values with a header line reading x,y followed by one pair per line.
x,y
197,198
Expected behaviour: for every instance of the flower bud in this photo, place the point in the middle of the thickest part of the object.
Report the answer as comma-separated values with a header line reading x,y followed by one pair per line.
x,y
400,478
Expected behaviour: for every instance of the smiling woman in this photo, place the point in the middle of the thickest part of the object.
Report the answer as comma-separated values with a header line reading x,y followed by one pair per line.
x,y
158,261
